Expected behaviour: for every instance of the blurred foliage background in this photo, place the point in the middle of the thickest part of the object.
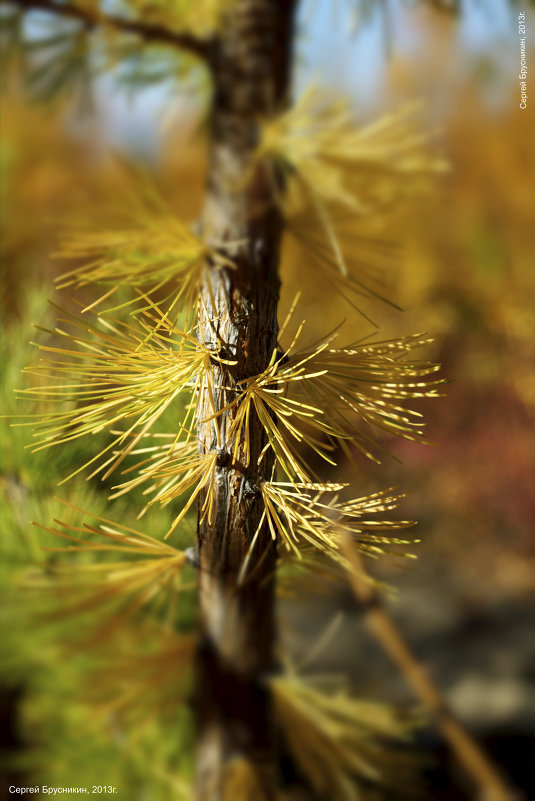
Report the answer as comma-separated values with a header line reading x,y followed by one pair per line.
x,y
463,272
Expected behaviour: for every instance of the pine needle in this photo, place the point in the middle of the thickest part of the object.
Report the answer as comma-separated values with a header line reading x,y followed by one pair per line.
x,y
337,394
340,179
117,374
343,744
139,243
146,571
304,515
201,18
145,684
363,386
335,161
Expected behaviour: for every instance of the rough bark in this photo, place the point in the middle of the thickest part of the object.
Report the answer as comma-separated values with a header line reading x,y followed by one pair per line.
x,y
239,311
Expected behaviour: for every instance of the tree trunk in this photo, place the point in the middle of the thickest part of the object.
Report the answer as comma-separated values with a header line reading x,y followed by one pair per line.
x,y
239,311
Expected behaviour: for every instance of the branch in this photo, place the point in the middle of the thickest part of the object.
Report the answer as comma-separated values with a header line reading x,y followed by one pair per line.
x,y
92,19
468,752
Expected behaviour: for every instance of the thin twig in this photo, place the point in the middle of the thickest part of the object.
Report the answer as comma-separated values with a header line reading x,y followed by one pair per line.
x,y
468,752
94,18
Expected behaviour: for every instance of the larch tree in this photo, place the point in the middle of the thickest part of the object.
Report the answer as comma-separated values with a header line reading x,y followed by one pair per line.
x,y
254,411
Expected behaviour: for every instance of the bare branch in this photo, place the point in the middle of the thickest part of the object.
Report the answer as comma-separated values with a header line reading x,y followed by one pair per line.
x,y
469,754
93,19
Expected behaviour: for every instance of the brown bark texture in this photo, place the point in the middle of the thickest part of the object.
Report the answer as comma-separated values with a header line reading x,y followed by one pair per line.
x,y
250,65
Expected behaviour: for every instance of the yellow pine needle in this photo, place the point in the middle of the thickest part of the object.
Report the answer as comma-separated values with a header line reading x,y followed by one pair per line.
x,y
339,177
266,394
152,266
351,253
340,741
148,247
156,457
317,141
172,472
171,469
123,586
304,515
201,18
117,374
141,686
361,383
241,782
327,392
203,475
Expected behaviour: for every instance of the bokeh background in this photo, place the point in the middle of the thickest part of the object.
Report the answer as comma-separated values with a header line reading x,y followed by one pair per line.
x,y
464,274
